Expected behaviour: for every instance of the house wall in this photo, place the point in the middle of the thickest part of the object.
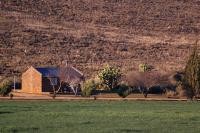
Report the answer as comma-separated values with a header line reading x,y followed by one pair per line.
x,y
32,81
46,85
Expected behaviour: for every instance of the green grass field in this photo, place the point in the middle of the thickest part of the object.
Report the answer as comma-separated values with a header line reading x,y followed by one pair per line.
x,y
99,117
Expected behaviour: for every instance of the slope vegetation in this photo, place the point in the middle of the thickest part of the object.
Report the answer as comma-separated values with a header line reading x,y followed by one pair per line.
x,y
90,33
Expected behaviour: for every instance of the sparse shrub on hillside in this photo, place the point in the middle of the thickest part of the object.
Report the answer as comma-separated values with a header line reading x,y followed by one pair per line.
x,y
5,87
110,76
144,16
88,88
145,67
192,73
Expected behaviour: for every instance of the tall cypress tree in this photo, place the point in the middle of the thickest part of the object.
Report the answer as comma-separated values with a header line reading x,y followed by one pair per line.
x,y
192,73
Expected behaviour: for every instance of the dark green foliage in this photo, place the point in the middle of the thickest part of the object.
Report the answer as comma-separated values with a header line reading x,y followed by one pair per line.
x,y
110,76
156,90
192,73
124,90
88,88
5,87
178,77
178,84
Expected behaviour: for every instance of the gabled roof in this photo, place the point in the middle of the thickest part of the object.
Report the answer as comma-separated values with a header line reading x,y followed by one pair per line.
x,y
55,71
48,71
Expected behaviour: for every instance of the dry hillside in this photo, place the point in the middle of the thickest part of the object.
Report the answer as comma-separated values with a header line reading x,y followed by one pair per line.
x,y
90,33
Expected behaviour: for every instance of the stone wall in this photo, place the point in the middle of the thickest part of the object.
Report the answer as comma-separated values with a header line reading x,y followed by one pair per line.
x,y
32,81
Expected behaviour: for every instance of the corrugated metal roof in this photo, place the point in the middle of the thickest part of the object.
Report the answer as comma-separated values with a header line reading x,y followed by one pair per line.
x,y
55,71
52,72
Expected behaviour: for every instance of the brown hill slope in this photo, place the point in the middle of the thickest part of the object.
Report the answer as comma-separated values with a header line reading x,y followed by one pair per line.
x,y
89,33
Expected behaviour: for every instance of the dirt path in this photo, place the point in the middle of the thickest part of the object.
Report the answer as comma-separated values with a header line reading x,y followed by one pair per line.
x,y
103,97
65,98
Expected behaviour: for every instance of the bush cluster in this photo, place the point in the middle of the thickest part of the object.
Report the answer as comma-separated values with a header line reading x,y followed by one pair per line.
x,y
124,90
110,80
5,87
88,88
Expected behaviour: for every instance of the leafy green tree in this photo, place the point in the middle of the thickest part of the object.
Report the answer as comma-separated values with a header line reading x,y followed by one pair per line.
x,y
192,73
110,76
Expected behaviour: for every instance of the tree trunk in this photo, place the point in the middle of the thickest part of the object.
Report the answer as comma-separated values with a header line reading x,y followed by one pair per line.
x,y
145,94
58,89
75,93
145,91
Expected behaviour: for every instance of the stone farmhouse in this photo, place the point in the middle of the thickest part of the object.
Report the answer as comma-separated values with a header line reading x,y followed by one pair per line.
x,y
42,80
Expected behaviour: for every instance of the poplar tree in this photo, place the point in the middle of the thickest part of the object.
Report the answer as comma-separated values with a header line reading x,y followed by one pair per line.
x,y
192,73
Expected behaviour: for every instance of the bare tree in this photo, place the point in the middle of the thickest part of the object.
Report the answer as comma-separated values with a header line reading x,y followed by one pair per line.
x,y
144,80
53,78
71,80
63,76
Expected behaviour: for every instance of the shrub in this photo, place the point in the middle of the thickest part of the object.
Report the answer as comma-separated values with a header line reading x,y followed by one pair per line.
x,y
5,87
177,78
156,90
11,96
183,90
88,88
110,76
124,90
100,86
144,80
170,93
177,91
180,89
145,68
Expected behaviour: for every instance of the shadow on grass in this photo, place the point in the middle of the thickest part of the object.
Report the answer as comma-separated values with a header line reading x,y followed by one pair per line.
x,y
86,123
18,129
5,112
130,131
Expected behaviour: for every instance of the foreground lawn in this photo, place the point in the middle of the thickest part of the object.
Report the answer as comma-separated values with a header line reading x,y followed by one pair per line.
x,y
99,117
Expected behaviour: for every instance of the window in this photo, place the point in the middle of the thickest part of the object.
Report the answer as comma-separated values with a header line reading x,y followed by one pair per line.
x,y
54,81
